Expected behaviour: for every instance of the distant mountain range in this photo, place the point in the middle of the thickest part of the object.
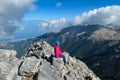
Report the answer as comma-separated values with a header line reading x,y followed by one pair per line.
x,y
97,45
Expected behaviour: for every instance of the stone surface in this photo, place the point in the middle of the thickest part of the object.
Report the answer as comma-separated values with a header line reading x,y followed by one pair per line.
x,y
73,70
27,78
39,67
8,65
58,63
29,66
47,72
41,50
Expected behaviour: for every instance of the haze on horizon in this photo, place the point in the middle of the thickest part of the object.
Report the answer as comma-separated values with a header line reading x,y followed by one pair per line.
x,y
21,19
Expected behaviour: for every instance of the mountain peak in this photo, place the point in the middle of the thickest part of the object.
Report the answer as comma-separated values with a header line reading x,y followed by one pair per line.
x,y
37,64
51,68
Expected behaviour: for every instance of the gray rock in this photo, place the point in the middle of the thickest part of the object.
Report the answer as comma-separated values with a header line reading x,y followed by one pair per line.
x,y
38,54
8,65
40,49
29,67
73,70
68,77
47,72
58,63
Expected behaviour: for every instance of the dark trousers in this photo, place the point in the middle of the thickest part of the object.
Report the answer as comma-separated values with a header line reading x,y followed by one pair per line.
x,y
64,59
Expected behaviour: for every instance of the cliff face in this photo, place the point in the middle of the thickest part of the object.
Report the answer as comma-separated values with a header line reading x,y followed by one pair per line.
x,y
8,65
40,64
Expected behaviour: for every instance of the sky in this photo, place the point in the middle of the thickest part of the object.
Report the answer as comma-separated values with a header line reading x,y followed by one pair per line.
x,y
22,19
55,9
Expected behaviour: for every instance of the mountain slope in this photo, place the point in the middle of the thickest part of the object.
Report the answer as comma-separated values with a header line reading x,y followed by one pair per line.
x,y
77,36
51,68
106,65
96,45
39,67
80,41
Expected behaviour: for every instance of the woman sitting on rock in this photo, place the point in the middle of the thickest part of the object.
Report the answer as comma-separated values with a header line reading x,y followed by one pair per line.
x,y
57,52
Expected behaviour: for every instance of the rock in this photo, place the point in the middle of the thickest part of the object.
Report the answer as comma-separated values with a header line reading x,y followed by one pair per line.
x,y
58,63
47,72
29,66
71,76
8,65
36,65
27,78
53,68
38,54
40,50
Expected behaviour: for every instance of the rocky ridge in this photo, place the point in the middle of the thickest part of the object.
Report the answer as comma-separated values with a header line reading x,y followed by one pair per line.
x,y
50,68
9,65
96,44
39,63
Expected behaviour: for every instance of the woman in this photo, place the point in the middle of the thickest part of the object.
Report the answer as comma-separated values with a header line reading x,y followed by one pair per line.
x,y
57,52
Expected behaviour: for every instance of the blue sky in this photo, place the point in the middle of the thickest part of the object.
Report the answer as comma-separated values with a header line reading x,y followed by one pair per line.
x,y
21,19
47,9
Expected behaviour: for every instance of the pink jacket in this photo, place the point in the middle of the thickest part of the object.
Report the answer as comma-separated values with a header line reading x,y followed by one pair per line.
x,y
57,51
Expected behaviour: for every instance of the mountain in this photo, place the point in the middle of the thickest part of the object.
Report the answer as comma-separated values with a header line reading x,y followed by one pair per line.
x,y
106,65
97,45
38,65
68,36
80,41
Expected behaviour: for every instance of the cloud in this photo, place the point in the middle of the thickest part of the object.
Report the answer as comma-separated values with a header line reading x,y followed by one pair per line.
x,y
58,4
11,13
104,15
7,28
53,23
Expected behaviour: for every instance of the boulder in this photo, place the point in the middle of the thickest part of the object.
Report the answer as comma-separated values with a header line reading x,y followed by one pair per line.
x,y
38,54
40,50
47,72
58,63
8,65
29,66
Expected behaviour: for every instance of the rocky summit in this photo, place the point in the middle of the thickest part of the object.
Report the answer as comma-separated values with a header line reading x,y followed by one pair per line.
x,y
8,65
39,63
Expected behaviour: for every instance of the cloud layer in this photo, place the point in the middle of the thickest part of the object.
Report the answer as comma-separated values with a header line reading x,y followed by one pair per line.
x,y
104,15
53,23
11,12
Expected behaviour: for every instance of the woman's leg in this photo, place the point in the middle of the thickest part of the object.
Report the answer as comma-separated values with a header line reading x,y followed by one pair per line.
x,y
64,59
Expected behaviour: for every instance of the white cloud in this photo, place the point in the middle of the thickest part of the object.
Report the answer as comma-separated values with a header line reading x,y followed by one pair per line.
x,y
58,4
12,11
104,15
53,23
